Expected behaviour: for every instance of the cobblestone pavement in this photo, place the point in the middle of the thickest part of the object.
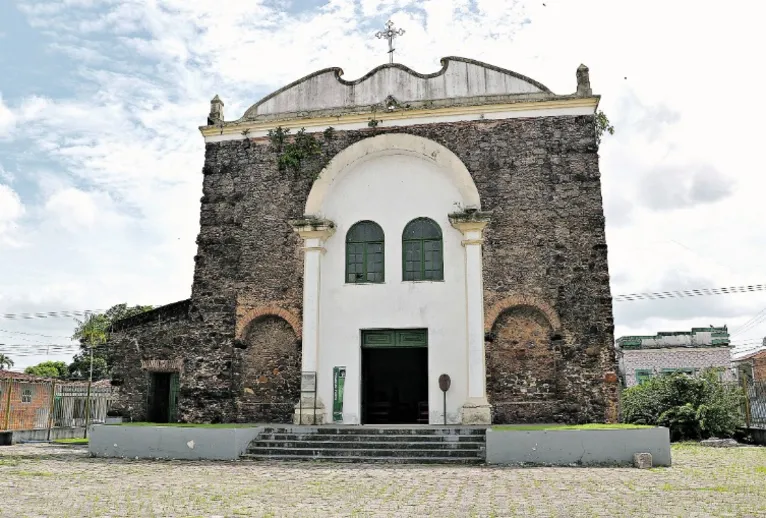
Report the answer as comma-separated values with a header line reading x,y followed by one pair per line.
x,y
48,481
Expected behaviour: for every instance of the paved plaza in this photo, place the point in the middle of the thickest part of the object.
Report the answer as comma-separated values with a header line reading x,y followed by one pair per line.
x,y
48,481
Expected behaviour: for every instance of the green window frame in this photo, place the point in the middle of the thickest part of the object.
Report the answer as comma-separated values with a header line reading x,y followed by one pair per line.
x,y
365,253
643,375
422,251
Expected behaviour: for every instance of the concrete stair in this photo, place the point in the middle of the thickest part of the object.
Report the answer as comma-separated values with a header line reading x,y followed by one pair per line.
x,y
416,444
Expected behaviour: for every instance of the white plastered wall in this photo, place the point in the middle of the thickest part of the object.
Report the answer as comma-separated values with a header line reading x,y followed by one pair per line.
x,y
392,188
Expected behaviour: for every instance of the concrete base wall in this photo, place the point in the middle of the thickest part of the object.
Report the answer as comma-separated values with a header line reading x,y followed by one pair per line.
x,y
170,442
586,447
77,432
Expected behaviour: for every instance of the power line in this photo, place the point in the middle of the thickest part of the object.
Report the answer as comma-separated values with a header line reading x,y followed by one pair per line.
x,y
51,314
753,322
689,293
7,331
627,297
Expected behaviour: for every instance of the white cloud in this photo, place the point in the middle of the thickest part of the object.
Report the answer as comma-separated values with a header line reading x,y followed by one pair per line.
x,y
11,210
7,119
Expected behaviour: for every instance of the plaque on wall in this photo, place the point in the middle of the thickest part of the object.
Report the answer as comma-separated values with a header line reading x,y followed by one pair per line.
x,y
308,381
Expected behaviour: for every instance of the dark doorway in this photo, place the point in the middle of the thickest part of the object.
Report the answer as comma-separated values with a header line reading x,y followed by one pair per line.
x,y
163,396
395,384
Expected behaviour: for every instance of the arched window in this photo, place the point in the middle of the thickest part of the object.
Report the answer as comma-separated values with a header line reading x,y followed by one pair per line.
x,y
422,257
364,253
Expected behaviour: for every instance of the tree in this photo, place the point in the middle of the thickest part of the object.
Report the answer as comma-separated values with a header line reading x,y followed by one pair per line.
x,y
80,367
94,332
5,362
602,126
49,370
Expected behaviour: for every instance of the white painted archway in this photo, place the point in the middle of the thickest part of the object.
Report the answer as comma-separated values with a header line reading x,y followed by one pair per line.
x,y
393,144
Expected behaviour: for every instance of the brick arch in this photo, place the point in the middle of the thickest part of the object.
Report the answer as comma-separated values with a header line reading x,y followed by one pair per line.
x,y
497,309
252,314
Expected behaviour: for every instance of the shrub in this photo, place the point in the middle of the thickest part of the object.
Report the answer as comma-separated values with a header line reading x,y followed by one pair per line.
x,y
692,407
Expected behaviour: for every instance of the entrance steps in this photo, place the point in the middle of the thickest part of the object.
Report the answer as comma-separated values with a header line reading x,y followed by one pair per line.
x,y
416,444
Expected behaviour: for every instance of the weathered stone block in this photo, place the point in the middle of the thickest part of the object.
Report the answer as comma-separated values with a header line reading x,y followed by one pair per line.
x,y
642,460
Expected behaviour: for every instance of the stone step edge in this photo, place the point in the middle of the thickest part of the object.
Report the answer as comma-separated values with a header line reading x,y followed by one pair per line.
x,y
357,450
378,431
376,435
392,444
361,460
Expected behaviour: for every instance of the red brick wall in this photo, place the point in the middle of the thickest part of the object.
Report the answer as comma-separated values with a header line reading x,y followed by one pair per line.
x,y
24,416
759,367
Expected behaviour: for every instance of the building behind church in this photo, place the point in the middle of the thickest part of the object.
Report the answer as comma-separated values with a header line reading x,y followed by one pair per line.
x,y
408,226
690,352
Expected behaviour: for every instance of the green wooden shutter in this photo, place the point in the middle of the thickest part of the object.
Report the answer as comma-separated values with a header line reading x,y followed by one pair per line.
x,y
173,403
395,338
150,383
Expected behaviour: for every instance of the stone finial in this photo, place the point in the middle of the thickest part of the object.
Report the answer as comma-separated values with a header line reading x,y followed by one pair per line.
x,y
216,111
583,82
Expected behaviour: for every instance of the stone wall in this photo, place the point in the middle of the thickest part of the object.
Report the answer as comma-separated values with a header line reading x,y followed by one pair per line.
x,y
200,350
546,240
656,360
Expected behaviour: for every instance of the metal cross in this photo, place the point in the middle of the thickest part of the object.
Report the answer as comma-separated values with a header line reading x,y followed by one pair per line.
x,y
390,33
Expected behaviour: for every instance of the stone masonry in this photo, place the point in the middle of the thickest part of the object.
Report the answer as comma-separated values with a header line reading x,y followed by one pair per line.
x,y
549,355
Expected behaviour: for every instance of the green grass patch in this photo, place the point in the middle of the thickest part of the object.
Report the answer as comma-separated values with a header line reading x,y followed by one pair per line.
x,y
554,427
79,440
191,425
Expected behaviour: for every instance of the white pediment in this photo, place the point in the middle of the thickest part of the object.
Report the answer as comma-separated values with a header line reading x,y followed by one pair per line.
x,y
459,78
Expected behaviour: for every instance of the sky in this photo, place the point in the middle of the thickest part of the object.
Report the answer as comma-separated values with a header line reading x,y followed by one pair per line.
x,y
101,156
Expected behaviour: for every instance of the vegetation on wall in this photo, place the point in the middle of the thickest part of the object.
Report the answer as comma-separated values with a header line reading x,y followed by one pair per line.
x,y
692,407
294,151
602,126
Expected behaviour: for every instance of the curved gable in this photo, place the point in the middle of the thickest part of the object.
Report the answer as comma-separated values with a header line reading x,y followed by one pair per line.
x,y
458,78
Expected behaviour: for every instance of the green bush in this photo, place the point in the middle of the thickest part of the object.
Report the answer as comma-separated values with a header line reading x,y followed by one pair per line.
x,y
692,407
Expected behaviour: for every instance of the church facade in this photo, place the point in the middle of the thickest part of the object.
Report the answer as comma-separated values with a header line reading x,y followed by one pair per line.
x,y
362,240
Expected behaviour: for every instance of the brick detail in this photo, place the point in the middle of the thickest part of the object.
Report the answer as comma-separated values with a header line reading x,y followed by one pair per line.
x,y
494,311
247,315
269,366
25,415
163,365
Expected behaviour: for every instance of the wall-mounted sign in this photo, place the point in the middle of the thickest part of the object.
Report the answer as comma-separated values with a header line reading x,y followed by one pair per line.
x,y
339,381
308,381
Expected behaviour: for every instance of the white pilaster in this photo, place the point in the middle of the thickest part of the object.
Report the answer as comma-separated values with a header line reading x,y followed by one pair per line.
x,y
476,409
314,233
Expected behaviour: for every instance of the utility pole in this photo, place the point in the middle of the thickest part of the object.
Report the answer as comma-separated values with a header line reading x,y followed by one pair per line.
x,y
87,398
